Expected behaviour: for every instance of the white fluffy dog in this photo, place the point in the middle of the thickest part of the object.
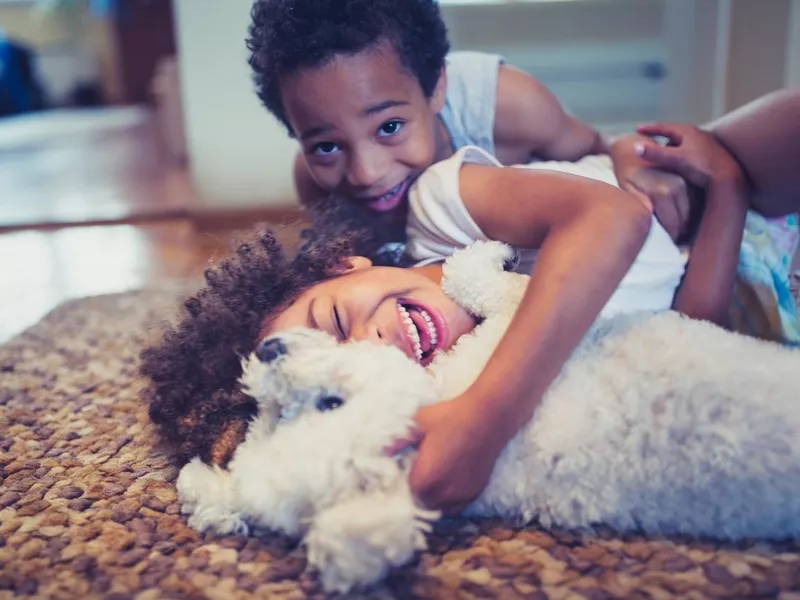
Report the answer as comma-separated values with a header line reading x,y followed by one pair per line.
x,y
657,423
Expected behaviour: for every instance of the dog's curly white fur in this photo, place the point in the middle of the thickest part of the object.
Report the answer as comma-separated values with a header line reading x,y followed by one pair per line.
x,y
657,423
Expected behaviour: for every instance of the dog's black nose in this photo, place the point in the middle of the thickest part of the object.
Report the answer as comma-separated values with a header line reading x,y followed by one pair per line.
x,y
270,349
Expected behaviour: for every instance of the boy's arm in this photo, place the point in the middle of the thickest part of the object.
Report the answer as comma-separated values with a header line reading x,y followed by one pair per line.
x,y
589,234
530,122
707,287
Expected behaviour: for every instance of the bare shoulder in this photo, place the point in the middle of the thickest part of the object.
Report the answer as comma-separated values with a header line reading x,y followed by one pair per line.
x,y
527,116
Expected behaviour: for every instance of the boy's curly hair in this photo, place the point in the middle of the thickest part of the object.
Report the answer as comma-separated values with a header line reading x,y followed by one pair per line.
x,y
192,373
287,35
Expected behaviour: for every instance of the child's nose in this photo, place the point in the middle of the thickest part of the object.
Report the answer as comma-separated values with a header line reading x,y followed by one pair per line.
x,y
369,333
367,169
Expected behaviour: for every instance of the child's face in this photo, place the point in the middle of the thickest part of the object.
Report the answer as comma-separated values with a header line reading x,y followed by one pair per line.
x,y
405,308
366,128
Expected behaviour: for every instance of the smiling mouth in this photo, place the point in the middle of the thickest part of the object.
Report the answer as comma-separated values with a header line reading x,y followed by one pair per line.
x,y
421,330
390,200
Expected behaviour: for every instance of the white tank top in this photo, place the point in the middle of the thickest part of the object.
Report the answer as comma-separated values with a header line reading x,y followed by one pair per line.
x,y
439,223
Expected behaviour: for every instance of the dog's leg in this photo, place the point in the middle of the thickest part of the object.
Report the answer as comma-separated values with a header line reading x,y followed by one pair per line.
x,y
206,494
356,542
478,278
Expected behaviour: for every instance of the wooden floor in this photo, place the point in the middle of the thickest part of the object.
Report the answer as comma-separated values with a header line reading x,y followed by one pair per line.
x,y
44,268
85,168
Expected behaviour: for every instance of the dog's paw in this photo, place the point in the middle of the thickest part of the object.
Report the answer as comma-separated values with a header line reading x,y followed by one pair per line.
x,y
357,542
217,520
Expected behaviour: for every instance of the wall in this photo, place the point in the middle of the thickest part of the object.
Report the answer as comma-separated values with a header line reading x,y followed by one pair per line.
x,y
758,49
603,60
694,32
725,53
239,155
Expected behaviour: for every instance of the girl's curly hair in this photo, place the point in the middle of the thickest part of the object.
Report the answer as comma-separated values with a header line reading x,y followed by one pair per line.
x,y
192,373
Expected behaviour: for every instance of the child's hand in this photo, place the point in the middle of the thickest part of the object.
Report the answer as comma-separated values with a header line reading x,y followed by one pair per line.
x,y
457,451
666,194
691,153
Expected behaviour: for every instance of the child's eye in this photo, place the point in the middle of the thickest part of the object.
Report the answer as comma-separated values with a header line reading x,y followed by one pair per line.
x,y
390,128
325,148
338,323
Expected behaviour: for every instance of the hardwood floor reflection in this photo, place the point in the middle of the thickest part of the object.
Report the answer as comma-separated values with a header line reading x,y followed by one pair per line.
x,y
42,269
87,166
84,166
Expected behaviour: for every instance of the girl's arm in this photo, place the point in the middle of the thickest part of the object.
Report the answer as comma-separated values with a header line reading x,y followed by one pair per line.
x,y
589,234
707,287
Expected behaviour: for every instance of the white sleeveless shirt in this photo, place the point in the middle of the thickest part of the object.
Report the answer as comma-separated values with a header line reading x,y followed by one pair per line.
x,y
439,223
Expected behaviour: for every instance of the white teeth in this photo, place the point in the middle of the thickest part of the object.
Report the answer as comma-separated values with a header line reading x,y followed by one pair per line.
x,y
391,192
413,334
411,328
430,325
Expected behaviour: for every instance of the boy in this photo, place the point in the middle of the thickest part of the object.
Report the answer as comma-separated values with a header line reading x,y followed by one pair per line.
x,y
365,148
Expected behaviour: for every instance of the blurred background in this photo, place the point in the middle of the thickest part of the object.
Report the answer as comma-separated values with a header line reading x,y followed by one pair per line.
x,y
132,144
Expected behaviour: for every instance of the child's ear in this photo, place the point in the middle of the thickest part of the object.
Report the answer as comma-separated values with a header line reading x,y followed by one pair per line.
x,y
356,263
439,92
351,264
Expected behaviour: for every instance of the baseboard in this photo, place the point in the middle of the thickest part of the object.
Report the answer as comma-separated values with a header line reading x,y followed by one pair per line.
x,y
204,220
233,219
123,217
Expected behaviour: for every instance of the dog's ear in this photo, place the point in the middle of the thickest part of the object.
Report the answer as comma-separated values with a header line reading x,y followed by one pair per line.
x,y
268,408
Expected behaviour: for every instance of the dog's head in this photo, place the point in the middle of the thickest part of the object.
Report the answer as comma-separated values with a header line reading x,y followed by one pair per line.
x,y
304,372
327,412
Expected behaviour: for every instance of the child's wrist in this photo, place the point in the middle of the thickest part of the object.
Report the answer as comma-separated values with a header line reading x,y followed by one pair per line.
x,y
729,189
728,177
497,410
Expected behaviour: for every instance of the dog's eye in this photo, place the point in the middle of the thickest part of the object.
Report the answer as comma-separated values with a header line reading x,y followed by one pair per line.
x,y
327,403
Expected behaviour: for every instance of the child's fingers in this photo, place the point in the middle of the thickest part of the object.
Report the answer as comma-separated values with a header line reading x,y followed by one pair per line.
x,y
666,157
412,438
672,131
669,158
666,130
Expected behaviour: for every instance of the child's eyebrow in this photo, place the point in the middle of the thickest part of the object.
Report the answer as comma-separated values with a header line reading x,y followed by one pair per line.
x,y
381,106
315,131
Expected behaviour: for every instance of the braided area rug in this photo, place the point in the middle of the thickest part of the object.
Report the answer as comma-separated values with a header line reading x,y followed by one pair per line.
x,y
88,506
